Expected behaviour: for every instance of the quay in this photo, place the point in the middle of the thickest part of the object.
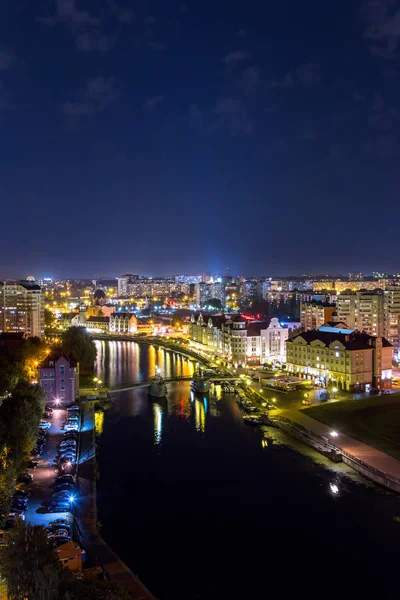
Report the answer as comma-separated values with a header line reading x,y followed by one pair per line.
x,y
87,529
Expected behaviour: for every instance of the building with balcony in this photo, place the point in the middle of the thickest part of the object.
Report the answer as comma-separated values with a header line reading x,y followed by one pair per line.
x,y
95,323
392,318
362,310
314,314
336,355
22,308
123,322
59,378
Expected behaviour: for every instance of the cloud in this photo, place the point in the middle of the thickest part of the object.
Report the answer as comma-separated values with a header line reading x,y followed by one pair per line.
x,y
306,75
228,114
235,57
5,100
87,29
231,114
97,95
382,30
250,80
8,59
153,102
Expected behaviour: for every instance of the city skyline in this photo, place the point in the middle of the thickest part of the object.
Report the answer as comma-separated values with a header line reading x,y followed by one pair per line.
x,y
198,136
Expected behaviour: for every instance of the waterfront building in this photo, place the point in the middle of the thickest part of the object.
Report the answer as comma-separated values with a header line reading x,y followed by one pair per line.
x,y
22,308
123,322
203,293
95,323
342,357
362,310
68,320
59,377
205,330
314,314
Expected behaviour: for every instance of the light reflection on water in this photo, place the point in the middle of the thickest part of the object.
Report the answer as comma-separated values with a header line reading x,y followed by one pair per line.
x,y
120,363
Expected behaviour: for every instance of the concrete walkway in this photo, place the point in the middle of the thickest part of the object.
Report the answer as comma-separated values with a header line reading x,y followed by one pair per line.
x,y
45,474
371,456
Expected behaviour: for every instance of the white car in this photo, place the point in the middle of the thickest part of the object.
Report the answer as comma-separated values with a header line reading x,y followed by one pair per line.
x,y
59,522
71,427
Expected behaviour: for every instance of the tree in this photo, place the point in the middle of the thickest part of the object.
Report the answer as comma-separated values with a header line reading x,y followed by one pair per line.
x,y
20,415
49,319
215,303
29,564
78,345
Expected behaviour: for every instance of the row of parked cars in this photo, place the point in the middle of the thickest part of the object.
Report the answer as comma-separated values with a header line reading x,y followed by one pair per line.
x,y
64,494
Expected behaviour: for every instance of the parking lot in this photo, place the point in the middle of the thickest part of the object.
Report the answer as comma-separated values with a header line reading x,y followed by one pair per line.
x,y
45,474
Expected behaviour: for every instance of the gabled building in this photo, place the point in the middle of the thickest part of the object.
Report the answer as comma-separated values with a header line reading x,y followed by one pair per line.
x,y
348,359
68,320
95,323
122,322
59,378
206,330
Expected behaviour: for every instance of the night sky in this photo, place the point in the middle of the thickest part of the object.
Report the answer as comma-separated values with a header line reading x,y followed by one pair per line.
x,y
162,136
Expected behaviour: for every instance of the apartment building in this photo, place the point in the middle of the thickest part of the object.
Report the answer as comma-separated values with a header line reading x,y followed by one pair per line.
x,y
392,318
362,310
22,308
349,359
314,314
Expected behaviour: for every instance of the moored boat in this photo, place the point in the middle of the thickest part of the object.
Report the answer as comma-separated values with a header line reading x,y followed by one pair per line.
x,y
157,388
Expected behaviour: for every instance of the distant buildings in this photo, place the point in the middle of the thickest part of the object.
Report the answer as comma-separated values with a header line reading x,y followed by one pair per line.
x,y
240,340
334,354
22,308
59,378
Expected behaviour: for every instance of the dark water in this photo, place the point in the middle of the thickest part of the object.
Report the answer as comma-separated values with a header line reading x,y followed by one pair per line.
x,y
200,508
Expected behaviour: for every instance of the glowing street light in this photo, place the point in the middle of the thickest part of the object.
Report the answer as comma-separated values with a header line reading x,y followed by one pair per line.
x,y
334,433
72,499
273,400
334,488
57,401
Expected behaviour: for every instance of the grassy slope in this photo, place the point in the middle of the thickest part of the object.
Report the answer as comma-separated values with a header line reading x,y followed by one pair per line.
x,y
374,420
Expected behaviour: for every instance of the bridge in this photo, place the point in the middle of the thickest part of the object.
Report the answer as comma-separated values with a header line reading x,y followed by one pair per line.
x,y
142,384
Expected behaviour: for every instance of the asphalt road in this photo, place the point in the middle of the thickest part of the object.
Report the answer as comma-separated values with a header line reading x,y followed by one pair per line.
x,y
45,475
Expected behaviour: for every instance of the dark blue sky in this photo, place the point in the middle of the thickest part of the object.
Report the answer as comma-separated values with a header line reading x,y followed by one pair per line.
x,y
158,137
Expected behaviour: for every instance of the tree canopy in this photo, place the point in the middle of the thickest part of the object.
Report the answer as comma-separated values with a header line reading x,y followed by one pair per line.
x,y
77,344
215,303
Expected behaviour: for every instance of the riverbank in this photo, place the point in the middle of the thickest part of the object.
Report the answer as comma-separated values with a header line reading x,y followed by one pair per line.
x,y
98,551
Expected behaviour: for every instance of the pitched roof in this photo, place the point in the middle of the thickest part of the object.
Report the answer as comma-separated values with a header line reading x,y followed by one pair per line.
x,y
54,356
255,327
351,341
98,319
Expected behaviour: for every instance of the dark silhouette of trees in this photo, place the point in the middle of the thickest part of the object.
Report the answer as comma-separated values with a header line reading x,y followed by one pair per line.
x,y
78,345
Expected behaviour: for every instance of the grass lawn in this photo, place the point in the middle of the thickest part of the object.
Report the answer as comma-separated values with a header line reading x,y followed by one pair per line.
x,y
374,421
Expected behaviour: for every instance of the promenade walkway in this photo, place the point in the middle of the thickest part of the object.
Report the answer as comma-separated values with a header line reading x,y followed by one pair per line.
x,y
371,456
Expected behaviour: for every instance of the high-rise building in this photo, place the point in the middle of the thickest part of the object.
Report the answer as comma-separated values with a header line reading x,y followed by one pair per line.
x,y
392,318
362,310
22,308
122,286
314,314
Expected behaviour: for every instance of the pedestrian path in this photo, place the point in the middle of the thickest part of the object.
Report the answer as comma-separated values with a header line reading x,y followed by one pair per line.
x,y
371,456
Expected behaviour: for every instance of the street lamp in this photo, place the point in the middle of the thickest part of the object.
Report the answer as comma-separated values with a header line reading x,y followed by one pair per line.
x,y
334,433
273,400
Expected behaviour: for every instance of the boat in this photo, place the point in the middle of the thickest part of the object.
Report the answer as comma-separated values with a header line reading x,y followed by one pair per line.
x,y
200,384
157,388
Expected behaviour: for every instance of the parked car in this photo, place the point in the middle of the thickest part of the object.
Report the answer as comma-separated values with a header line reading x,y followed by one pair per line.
x,y
59,522
72,417
385,392
61,527
32,464
68,443
65,479
73,407
60,507
57,533
24,478
65,487
44,425
71,427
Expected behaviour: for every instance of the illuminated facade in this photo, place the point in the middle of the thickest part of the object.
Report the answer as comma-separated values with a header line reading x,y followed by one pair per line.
x,y
59,378
123,323
392,318
363,311
314,314
22,308
344,358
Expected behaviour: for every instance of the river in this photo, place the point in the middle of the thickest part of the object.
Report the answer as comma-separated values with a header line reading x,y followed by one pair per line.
x,y
201,506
